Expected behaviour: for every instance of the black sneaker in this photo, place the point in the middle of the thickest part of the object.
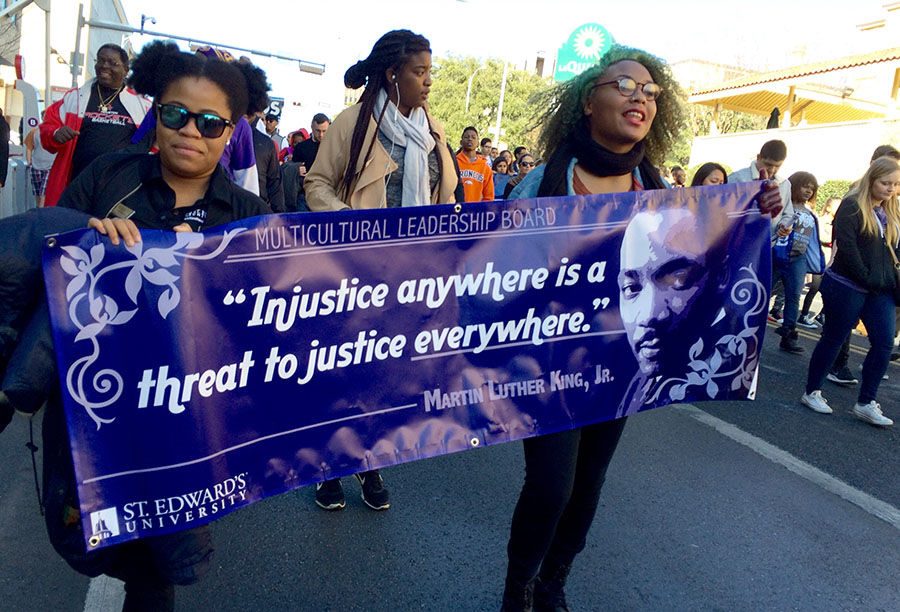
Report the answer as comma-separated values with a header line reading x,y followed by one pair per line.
x,y
842,376
789,343
374,493
330,495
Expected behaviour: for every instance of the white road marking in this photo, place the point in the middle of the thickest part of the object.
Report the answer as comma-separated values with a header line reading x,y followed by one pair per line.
x,y
868,503
104,594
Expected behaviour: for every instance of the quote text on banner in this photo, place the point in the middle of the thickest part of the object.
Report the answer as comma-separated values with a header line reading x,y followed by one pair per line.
x,y
203,372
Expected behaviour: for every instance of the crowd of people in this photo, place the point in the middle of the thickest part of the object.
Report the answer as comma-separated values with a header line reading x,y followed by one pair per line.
x,y
215,157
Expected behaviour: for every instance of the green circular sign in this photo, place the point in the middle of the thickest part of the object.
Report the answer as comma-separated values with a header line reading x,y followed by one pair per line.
x,y
585,46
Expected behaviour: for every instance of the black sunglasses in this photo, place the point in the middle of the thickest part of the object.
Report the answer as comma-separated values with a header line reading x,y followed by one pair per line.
x,y
176,117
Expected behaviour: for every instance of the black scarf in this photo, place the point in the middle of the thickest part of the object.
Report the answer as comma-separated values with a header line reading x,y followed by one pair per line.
x,y
596,159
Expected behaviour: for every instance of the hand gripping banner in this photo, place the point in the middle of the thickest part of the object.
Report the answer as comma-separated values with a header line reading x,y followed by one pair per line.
x,y
203,372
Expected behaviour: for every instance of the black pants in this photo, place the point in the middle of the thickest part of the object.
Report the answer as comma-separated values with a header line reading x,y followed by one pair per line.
x,y
564,473
814,285
150,567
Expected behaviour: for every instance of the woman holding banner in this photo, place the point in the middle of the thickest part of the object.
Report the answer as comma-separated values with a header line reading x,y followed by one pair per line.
x,y
385,151
197,103
604,131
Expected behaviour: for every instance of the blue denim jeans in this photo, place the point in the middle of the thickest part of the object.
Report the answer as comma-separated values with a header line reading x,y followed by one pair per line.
x,y
791,273
843,307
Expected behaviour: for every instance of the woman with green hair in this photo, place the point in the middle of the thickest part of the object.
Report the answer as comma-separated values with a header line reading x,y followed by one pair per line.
x,y
604,132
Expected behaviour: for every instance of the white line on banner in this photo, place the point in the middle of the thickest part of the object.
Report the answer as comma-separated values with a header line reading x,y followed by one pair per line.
x,y
387,243
162,468
433,239
522,343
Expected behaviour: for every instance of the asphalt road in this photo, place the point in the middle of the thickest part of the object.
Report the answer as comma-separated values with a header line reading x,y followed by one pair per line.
x,y
690,519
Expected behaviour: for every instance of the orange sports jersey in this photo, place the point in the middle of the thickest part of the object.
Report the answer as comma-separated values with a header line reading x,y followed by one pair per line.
x,y
477,178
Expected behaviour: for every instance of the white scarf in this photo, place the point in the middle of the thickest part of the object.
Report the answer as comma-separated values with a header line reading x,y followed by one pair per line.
x,y
412,133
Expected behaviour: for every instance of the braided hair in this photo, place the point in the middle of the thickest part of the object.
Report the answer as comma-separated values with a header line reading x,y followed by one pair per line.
x,y
392,50
162,63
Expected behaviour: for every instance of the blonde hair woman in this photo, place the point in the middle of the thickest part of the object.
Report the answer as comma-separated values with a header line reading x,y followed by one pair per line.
x,y
861,284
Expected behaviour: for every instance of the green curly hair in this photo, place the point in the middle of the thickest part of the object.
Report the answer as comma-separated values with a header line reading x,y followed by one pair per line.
x,y
564,104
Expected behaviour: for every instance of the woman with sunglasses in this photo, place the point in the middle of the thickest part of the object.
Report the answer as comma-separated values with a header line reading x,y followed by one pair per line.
x,y
604,131
526,165
239,156
182,188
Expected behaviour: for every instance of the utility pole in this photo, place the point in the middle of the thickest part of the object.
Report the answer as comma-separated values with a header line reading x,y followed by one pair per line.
x,y
469,88
502,94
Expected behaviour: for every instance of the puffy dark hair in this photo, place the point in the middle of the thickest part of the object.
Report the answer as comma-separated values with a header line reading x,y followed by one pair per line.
x,y
799,180
161,63
257,86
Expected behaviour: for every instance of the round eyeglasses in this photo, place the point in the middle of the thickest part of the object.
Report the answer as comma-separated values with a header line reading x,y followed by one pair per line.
x,y
627,86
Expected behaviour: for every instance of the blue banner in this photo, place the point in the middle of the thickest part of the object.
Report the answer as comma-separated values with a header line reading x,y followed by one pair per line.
x,y
203,372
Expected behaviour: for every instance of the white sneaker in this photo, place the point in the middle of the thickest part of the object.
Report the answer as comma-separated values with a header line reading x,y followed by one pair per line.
x,y
816,402
808,322
871,413
885,377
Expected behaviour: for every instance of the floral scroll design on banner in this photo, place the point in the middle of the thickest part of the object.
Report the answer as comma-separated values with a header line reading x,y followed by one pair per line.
x,y
156,266
734,357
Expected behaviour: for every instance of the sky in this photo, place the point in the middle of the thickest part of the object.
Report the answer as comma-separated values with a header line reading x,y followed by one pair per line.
x,y
762,34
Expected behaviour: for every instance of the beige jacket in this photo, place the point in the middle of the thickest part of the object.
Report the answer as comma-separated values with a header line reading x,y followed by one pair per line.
x,y
323,182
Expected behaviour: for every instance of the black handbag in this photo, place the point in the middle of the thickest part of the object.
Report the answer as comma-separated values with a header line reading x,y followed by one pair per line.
x,y
896,275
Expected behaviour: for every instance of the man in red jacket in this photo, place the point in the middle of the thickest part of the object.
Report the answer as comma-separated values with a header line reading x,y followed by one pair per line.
x,y
97,118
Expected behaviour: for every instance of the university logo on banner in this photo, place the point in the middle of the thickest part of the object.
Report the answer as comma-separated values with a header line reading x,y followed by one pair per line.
x,y
104,524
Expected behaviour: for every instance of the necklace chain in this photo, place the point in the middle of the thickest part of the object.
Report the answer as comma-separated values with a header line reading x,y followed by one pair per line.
x,y
105,104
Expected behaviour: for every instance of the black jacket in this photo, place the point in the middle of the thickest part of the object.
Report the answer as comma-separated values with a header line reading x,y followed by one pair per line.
x,y
27,363
30,375
862,258
135,180
4,149
305,152
267,167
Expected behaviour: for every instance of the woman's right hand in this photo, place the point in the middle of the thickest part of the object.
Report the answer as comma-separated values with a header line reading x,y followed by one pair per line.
x,y
114,228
